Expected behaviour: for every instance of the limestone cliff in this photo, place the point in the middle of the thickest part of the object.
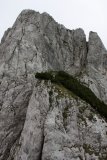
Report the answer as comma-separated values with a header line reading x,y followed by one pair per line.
x,y
40,120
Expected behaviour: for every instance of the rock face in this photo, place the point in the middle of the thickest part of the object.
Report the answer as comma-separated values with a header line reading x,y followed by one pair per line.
x,y
96,69
44,121
37,43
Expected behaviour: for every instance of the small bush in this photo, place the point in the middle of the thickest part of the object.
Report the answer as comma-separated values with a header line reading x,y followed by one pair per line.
x,y
44,75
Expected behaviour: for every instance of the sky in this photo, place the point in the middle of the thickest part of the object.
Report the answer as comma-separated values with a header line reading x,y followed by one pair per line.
x,y
91,15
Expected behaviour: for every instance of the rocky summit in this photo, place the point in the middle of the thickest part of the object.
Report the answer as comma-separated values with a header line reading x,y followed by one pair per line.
x,y
41,120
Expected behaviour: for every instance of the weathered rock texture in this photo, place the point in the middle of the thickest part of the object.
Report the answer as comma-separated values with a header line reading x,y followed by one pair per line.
x,y
39,120
96,69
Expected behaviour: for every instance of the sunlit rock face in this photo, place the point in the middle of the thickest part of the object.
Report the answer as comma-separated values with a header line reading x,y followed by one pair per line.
x,y
44,121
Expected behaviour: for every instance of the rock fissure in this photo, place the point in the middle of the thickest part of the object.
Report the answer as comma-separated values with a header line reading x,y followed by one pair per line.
x,y
9,146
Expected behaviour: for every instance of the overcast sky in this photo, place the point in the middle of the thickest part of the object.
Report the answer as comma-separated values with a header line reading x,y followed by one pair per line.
x,y
91,15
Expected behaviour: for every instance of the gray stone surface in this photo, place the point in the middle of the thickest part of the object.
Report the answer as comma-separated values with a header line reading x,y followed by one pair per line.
x,y
39,120
37,43
95,74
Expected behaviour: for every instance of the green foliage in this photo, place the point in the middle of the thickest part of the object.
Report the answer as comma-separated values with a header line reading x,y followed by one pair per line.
x,y
76,87
88,149
65,112
50,98
45,75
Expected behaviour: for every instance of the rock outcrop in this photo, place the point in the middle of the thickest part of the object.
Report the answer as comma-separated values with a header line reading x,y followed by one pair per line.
x,y
96,70
44,121
37,43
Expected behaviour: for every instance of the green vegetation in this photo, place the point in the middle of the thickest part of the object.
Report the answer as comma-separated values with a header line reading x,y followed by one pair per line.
x,y
50,98
76,87
65,112
88,149
82,119
62,91
91,117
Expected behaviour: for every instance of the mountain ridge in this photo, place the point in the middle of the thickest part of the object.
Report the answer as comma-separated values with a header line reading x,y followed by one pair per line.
x,y
41,120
